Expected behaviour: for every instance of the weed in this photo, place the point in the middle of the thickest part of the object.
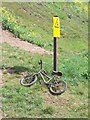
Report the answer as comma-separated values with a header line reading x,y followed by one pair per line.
x,y
48,110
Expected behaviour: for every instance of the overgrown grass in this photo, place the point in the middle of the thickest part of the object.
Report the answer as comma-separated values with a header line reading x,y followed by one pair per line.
x,y
19,101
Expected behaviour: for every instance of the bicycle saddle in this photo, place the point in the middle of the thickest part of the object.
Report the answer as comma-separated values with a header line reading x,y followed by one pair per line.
x,y
57,73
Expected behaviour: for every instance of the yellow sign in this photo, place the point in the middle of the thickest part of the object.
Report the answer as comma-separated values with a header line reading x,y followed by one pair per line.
x,y
56,26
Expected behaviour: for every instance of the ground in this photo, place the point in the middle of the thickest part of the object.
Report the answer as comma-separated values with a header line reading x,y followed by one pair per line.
x,y
1,83
9,38
16,42
69,104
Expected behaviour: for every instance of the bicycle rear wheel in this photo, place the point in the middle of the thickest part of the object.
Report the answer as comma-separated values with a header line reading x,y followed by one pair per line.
x,y
58,87
28,80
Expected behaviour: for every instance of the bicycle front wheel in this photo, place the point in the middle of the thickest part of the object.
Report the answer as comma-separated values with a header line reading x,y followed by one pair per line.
x,y
58,87
28,80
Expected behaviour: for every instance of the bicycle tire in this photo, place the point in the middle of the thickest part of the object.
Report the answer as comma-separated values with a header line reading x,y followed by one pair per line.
x,y
28,80
54,90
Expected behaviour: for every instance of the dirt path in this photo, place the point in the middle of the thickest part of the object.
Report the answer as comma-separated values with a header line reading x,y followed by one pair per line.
x,y
16,42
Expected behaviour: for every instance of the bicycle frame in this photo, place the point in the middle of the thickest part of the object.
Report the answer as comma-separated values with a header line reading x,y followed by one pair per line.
x,y
53,86
42,74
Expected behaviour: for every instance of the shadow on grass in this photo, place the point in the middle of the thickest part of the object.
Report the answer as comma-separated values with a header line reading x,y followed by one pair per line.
x,y
16,69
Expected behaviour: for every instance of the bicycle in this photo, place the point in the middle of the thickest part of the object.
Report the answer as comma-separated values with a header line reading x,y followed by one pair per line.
x,y
55,85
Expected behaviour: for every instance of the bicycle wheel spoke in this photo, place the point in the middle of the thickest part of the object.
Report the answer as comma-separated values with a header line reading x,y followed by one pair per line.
x,y
57,87
54,88
28,80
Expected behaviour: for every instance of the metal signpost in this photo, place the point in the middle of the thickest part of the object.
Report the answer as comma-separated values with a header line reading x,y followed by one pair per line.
x,y
56,35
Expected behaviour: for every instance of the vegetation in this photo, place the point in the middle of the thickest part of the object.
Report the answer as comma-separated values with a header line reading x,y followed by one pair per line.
x,y
33,22
19,101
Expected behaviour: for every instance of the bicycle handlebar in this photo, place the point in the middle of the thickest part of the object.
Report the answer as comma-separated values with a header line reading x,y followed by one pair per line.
x,y
40,63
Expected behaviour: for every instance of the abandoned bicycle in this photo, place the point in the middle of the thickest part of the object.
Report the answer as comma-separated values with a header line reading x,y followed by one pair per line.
x,y
55,85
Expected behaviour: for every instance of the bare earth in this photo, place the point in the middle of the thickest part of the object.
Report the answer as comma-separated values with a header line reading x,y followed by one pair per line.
x,y
16,42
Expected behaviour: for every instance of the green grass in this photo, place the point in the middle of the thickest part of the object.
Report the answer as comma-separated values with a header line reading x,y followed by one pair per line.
x,y
73,66
36,101
34,24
